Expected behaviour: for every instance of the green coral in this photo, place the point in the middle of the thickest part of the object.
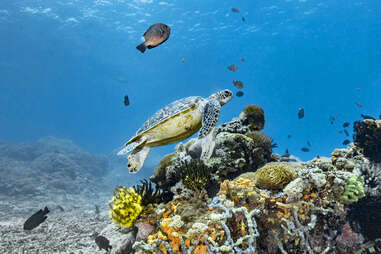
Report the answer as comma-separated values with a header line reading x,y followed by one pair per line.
x,y
275,175
125,206
354,190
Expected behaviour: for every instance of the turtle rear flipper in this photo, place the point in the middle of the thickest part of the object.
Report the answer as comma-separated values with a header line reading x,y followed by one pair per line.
x,y
136,159
209,117
132,146
207,145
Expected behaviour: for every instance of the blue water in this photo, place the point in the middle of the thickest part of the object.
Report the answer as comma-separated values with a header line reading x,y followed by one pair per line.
x,y
65,67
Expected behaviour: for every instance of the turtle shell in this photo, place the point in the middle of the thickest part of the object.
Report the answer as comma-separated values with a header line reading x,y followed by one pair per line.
x,y
168,111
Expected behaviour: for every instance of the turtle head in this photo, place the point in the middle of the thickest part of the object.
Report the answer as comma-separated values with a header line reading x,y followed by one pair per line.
x,y
223,96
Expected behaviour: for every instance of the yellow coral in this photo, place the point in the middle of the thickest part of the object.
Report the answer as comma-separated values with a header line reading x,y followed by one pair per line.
x,y
275,175
125,206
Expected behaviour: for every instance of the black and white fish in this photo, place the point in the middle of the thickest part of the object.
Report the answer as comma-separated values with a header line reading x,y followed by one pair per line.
x,y
36,219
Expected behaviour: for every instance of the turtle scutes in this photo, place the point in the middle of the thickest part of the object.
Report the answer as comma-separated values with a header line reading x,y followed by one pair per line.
x,y
175,122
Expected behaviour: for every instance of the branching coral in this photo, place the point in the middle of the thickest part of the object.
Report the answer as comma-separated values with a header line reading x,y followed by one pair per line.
x,y
125,206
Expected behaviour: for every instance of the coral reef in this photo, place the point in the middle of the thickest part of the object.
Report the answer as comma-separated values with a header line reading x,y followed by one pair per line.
x,y
367,136
260,204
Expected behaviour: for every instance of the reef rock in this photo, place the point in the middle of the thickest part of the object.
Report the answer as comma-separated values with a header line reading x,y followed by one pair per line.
x,y
50,165
367,136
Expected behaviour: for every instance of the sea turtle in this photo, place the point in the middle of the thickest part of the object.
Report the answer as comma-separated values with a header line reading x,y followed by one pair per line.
x,y
175,122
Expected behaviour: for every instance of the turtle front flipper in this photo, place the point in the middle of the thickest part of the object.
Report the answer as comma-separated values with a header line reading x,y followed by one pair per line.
x,y
209,117
132,146
209,121
136,159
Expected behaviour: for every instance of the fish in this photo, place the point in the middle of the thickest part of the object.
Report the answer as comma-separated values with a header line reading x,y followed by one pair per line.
x,y
239,94
346,133
332,119
238,83
103,243
308,143
126,100
341,132
289,136
368,117
242,59
36,219
346,124
305,149
286,154
236,10
346,142
318,156
243,19
301,113
154,36
183,60
233,67
358,105
358,89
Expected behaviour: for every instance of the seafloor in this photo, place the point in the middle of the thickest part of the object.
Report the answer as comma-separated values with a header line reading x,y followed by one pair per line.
x,y
244,199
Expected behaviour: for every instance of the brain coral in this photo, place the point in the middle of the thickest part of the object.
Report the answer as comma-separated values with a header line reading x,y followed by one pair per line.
x,y
275,175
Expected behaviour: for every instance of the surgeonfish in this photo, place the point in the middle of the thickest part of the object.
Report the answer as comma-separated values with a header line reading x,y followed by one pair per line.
x,y
154,36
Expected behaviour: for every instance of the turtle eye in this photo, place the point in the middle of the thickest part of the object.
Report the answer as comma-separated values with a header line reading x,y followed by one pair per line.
x,y
129,165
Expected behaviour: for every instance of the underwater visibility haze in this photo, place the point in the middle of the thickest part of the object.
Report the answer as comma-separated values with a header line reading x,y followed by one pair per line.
x,y
79,78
